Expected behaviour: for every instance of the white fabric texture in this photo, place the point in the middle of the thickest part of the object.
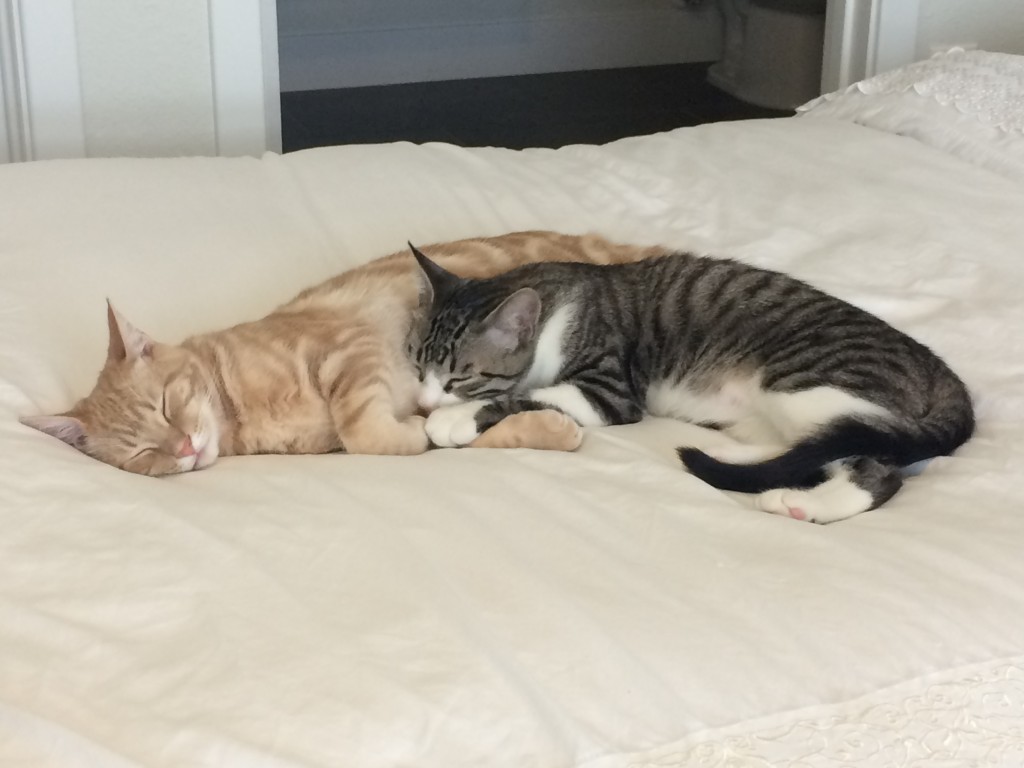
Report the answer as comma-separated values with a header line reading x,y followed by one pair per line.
x,y
967,103
501,608
962,717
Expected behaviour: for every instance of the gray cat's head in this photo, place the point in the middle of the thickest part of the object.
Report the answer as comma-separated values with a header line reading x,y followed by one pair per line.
x,y
475,341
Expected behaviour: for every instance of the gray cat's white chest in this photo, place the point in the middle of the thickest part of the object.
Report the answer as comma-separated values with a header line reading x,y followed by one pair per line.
x,y
548,356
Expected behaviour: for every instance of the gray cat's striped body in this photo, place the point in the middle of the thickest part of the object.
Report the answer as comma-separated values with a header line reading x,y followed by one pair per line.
x,y
830,401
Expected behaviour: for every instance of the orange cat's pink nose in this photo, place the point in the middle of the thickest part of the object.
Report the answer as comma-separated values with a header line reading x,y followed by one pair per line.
x,y
186,449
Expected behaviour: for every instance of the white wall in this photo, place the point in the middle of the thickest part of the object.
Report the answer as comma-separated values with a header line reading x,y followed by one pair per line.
x,y
993,25
333,44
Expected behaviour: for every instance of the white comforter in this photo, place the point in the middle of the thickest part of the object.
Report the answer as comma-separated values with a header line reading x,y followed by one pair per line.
x,y
498,608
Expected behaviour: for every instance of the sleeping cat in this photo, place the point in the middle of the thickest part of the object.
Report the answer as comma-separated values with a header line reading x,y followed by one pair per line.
x,y
327,371
829,401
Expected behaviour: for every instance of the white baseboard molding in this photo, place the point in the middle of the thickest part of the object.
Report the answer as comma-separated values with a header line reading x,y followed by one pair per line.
x,y
384,56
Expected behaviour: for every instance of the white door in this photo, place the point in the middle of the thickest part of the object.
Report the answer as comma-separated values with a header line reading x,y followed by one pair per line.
x,y
94,78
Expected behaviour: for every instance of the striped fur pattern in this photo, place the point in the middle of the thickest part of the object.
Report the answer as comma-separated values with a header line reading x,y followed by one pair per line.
x,y
829,401
328,371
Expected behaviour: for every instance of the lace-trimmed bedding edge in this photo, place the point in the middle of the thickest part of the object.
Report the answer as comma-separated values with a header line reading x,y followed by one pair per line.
x,y
981,84
970,716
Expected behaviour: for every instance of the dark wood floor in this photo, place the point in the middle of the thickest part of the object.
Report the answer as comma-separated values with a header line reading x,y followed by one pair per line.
x,y
590,107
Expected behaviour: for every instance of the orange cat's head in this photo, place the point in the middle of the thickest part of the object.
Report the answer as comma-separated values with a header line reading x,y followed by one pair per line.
x,y
151,411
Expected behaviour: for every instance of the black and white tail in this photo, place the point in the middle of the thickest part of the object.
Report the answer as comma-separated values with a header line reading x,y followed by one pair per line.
x,y
874,453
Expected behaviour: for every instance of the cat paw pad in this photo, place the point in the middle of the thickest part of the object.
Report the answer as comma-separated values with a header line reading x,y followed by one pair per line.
x,y
788,503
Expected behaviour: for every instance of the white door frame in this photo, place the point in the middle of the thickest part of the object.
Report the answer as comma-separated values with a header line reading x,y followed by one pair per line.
x,y
41,112
11,141
866,37
42,98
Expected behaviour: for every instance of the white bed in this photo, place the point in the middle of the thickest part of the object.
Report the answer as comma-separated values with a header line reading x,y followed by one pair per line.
x,y
510,609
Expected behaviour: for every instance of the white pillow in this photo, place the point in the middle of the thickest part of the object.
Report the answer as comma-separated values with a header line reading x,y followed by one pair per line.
x,y
967,103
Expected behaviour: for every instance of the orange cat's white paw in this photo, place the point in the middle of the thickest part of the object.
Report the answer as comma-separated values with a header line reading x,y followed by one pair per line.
x,y
454,425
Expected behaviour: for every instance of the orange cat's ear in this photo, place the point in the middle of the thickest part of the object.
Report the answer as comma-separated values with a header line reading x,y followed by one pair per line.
x,y
62,426
126,341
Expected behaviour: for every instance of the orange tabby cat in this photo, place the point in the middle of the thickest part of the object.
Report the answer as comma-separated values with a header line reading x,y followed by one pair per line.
x,y
325,372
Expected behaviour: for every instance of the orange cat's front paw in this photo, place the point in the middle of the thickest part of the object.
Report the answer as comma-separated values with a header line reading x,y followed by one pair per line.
x,y
394,438
541,430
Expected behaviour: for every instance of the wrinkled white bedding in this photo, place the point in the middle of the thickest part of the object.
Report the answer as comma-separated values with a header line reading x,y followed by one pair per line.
x,y
492,608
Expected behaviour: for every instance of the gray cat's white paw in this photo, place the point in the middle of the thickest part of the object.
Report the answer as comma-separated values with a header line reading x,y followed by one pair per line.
x,y
835,499
786,502
454,425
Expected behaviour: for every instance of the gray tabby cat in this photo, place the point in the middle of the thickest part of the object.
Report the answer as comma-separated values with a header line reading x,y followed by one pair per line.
x,y
829,401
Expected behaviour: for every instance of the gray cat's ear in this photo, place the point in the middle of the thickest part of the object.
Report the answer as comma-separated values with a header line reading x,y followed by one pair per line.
x,y
64,427
514,322
435,280
126,341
